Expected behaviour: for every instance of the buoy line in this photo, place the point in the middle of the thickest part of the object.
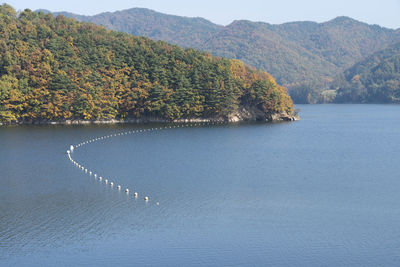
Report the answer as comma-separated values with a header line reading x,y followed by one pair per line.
x,y
110,183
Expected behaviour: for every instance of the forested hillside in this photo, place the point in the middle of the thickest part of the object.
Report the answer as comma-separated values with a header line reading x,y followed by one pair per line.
x,y
303,56
374,80
58,69
260,45
183,31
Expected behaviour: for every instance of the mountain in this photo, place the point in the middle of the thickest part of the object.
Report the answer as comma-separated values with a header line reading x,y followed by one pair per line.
x,y
261,45
182,31
376,79
57,69
303,56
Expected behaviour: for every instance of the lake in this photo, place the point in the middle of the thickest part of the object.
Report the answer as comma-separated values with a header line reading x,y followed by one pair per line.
x,y
323,191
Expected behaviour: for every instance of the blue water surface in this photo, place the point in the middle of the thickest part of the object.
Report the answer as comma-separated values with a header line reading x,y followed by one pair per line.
x,y
323,191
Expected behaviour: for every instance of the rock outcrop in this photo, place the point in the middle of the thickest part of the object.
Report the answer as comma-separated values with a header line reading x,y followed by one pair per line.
x,y
255,114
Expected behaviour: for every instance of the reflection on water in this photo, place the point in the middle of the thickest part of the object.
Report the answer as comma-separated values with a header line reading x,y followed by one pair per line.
x,y
321,191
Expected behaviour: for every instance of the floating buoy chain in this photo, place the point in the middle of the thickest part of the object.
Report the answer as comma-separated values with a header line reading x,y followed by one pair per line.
x,y
106,181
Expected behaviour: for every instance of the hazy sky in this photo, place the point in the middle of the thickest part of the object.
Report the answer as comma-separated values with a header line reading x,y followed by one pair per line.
x,y
382,12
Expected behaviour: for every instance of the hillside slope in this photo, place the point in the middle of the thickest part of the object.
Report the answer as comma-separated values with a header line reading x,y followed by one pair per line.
x,y
373,80
183,31
303,56
59,69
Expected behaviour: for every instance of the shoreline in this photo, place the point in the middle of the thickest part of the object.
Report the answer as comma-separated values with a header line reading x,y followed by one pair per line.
x,y
233,119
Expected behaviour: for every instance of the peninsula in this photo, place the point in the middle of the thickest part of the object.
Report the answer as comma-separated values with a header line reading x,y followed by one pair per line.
x,y
60,70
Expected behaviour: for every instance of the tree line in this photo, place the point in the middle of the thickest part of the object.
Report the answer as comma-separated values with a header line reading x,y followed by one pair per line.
x,y
58,69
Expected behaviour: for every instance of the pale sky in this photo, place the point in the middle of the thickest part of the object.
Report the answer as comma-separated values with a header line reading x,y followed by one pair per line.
x,y
382,12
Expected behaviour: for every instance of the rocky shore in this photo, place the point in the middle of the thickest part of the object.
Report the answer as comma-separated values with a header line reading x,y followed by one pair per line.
x,y
242,115
255,114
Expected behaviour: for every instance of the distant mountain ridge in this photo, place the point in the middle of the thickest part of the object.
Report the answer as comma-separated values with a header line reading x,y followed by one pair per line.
x,y
376,79
303,56
183,31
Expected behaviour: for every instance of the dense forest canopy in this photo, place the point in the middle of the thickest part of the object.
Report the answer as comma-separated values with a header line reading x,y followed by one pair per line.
x,y
57,69
303,56
373,80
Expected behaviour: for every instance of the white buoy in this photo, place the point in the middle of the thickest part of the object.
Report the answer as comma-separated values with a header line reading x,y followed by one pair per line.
x,y
136,194
146,198
158,203
100,178
95,176
119,187
127,190
90,173
111,184
106,181
68,152
71,148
